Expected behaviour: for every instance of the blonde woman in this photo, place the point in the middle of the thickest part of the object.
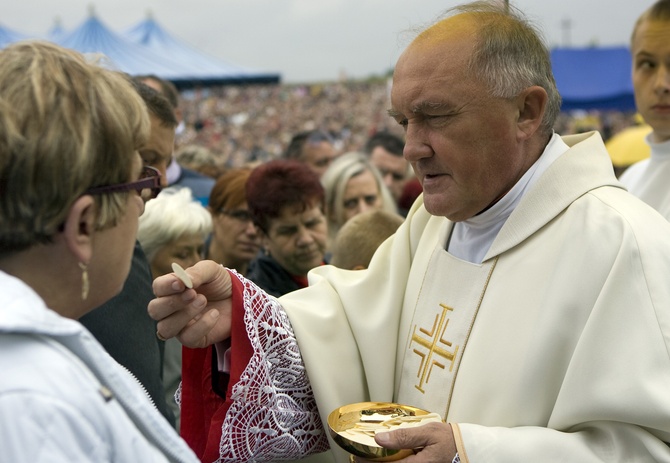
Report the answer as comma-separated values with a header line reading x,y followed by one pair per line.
x,y
71,193
353,185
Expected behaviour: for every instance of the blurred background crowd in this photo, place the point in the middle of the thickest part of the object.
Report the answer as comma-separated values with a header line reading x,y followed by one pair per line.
x,y
231,126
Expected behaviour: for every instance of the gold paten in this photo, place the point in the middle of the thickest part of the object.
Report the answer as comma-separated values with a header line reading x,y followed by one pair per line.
x,y
347,416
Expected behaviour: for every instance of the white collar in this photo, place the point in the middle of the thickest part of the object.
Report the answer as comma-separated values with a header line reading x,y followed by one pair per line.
x,y
659,150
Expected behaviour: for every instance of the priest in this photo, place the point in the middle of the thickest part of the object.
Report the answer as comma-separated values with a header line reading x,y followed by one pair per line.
x,y
524,299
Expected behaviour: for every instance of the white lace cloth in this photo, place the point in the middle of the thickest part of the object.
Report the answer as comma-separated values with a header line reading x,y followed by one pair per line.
x,y
273,415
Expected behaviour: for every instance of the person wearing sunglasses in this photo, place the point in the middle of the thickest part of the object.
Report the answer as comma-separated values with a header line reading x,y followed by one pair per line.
x,y
121,325
72,189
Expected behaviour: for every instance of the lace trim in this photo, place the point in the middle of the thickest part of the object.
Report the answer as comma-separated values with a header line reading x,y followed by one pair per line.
x,y
273,415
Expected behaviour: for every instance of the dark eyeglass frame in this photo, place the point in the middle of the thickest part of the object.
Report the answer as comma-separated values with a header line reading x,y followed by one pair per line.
x,y
150,179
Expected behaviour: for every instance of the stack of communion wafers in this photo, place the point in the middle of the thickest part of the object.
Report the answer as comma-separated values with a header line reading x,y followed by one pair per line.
x,y
369,424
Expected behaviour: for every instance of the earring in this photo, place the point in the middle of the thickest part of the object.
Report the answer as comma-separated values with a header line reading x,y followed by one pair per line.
x,y
84,280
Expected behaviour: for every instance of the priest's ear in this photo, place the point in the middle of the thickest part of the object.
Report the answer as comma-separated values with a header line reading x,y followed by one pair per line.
x,y
531,105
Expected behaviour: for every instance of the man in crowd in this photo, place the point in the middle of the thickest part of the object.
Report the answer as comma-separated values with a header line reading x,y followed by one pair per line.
x,y
524,298
313,147
385,150
650,49
176,174
122,325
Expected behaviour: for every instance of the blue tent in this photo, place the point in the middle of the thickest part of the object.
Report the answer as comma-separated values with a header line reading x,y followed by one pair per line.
x,y
594,78
93,37
197,66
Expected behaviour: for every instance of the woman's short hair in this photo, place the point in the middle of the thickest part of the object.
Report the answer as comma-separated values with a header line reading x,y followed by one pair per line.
x,y
172,214
229,191
276,184
65,125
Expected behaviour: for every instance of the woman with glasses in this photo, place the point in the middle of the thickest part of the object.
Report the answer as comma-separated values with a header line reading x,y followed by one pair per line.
x,y
173,228
234,241
71,193
284,198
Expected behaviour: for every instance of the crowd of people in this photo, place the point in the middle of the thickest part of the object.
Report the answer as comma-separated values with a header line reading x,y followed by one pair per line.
x,y
232,126
241,124
450,241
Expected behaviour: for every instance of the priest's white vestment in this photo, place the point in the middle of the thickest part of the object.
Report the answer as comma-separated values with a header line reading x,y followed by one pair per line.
x,y
555,348
649,179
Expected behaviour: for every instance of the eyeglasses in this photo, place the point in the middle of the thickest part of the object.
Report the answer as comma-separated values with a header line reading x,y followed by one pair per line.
x,y
148,186
241,215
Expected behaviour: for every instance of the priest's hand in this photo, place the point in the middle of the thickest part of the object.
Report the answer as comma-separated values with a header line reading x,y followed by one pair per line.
x,y
434,442
198,317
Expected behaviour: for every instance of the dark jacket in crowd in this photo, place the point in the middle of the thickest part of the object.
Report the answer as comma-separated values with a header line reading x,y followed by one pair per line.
x,y
123,326
270,276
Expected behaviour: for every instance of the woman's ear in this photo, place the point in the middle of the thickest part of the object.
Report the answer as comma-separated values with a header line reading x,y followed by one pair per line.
x,y
79,228
532,104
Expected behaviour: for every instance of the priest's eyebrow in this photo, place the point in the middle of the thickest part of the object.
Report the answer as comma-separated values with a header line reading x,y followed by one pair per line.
x,y
422,108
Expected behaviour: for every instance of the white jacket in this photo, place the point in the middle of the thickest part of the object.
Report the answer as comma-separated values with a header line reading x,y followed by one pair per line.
x,y
64,399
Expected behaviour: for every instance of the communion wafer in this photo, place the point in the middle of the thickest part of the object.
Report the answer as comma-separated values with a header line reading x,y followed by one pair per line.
x,y
365,430
182,275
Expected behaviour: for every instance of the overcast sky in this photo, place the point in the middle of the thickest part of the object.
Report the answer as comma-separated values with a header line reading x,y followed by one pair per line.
x,y
312,40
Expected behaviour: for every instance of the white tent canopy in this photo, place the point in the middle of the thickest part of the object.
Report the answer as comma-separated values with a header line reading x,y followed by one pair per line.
x,y
198,65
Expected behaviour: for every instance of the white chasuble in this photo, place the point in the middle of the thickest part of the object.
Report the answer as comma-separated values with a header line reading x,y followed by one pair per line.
x,y
554,349
436,337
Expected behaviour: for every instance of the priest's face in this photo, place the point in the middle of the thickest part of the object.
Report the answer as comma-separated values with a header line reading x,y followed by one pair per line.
x,y
461,142
651,75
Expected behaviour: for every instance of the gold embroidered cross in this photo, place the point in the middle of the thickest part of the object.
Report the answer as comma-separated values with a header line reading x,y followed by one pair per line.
x,y
435,351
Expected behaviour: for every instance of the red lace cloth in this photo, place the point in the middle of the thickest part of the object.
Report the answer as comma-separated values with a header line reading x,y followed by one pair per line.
x,y
268,412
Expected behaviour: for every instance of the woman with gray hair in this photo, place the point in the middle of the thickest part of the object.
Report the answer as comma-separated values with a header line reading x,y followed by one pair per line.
x,y
173,228
71,192
353,185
